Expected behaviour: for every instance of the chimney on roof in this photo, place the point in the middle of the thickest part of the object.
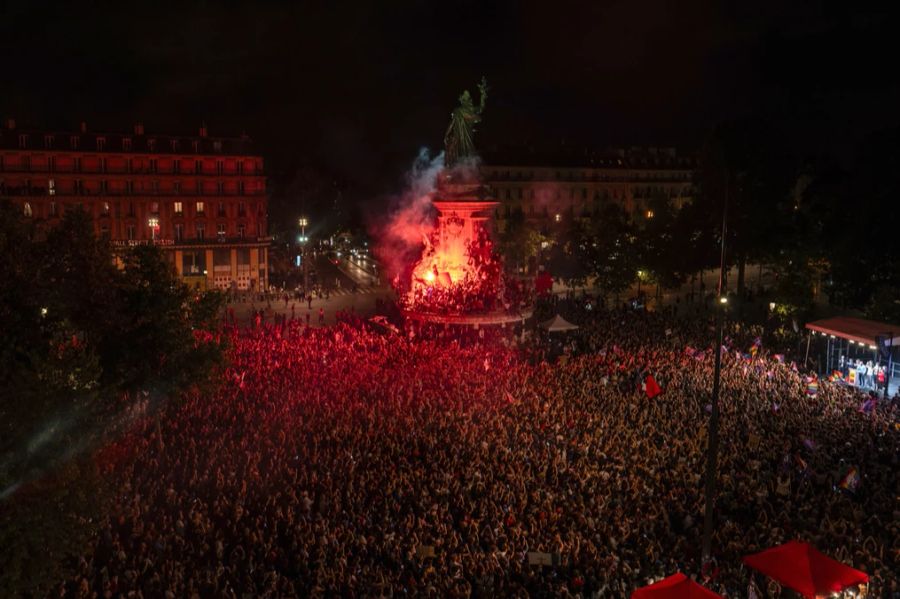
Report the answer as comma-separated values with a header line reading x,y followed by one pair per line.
x,y
203,131
10,124
139,128
83,127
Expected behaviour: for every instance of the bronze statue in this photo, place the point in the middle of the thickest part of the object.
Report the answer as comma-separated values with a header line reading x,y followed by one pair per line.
x,y
458,141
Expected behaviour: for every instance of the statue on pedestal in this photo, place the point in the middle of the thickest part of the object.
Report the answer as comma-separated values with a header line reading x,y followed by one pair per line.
x,y
458,141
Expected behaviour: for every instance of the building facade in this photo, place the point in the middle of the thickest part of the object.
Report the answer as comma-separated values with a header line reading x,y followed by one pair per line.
x,y
202,199
628,178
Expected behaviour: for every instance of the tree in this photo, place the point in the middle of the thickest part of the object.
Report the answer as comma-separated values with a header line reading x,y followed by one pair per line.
x,y
519,241
661,251
82,334
861,242
568,255
610,253
747,162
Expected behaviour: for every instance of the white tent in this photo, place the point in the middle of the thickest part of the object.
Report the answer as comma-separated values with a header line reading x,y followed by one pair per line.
x,y
558,324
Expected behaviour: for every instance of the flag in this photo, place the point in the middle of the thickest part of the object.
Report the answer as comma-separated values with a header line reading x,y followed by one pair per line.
x,y
812,387
850,482
651,388
754,349
779,358
868,405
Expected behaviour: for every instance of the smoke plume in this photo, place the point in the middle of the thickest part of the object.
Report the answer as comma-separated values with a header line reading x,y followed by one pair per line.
x,y
399,235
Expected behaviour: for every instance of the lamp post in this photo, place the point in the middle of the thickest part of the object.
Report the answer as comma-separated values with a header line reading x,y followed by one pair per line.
x,y
890,366
303,222
713,436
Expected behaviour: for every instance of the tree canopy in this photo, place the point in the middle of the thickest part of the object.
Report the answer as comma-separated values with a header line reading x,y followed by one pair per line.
x,y
80,334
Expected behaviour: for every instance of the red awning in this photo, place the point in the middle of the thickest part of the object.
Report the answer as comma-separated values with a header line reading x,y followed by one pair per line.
x,y
677,586
802,567
855,329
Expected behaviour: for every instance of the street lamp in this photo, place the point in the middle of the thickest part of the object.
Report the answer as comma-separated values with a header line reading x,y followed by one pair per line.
x,y
153,223
712,457
303,222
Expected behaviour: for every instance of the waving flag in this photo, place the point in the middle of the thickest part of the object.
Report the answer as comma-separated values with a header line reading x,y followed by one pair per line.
x,y
651,387
754,349
812,387
850,482
868,405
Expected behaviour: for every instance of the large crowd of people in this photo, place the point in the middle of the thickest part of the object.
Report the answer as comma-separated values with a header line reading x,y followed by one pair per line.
x,y
357,461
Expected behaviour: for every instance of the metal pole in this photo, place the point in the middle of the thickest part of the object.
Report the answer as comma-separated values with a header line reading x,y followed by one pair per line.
x,y
713,447
806,359
887,376
305,256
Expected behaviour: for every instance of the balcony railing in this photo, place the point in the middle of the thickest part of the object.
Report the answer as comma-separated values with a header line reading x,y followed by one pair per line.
x,y
189,242
18,191
46,168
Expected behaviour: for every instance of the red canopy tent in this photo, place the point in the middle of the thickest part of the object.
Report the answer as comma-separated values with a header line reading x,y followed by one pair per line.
x,y
677,586
801,567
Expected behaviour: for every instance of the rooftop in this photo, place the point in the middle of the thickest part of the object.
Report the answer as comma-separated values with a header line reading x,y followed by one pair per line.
x,y
566,157
859,330
134,141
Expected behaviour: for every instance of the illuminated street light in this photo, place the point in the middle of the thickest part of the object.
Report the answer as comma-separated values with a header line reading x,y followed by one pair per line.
x,y
723,300
650,214
771,305
303,222
153,223
557,217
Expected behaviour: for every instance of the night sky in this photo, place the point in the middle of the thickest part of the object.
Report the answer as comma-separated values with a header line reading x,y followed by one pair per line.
x,y
354,91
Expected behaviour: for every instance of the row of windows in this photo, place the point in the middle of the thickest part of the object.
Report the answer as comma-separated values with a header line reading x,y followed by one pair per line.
x,y
177,208
103,164
519,193
590,176
178,230
129,187
50,141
